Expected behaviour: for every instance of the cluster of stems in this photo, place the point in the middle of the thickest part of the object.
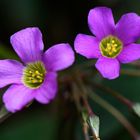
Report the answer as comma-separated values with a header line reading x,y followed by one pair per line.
x,y
83,90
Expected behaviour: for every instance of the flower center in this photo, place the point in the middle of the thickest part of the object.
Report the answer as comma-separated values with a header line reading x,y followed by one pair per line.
x,y
110,46
34,74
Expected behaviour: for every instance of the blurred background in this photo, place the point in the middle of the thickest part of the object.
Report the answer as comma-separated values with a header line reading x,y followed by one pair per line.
x,y
60,21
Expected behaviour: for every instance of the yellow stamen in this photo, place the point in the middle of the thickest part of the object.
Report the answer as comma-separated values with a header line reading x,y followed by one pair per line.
x,y
108,44
30,78
37,72
33,75
114,50
40,80
30,71
39,77
113,41
33,81
108,48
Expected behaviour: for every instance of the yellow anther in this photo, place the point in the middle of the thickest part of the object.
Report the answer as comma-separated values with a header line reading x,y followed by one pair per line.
x,y
40,80
37,72
110,53
112,41
114,50
115,45
33,75
30,71
108,44
108,48
30,78
39,77
33,81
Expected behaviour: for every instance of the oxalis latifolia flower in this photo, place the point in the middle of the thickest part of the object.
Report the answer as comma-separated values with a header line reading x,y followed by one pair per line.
x,y
36,78
113,44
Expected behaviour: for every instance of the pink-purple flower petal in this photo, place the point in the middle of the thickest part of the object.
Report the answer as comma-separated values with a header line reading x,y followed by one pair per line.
x,y
129,53
58,57
16,97
109,68
10,72
128,28
48,89
87,46
101,22
41,98
28,44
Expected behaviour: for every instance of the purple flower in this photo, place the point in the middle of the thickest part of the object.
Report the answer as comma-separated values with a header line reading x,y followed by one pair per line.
x,y
113,44
37,77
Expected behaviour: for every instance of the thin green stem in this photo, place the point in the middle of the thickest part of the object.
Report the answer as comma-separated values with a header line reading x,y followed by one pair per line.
x,y
136,64
4,114
114,94
84,97
130,72
76,97
85,131
79,107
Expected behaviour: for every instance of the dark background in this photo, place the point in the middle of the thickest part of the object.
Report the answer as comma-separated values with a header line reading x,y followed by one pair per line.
x,y
60,21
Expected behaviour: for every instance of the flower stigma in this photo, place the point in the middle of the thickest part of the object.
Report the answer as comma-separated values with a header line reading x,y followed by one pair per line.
x,y
110,46
34,74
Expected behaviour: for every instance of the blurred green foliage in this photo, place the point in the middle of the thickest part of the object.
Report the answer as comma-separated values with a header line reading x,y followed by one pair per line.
x,y
37,125
60,21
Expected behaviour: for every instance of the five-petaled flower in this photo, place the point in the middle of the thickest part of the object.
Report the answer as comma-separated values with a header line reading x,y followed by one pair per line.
x,y
37,77
113,44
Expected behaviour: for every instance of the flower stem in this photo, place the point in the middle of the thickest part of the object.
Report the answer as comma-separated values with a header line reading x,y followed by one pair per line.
x,y
77,97
85,131
4,114
130,72
117,114
86,104
135,64
115,94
